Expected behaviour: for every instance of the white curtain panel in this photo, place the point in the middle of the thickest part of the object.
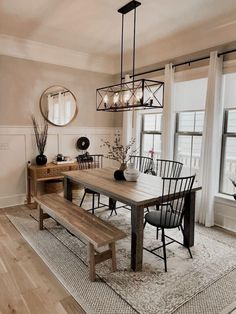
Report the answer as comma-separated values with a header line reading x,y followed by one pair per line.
x,y
61,101
127,129
68,107
211,143
168,117
128,122
50,108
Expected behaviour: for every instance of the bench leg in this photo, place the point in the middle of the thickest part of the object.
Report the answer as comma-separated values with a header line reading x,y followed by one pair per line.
x,y
91,258
40,217
112,247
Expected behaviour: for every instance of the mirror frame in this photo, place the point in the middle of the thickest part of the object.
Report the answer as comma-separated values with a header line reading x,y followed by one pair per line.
x,y
41,109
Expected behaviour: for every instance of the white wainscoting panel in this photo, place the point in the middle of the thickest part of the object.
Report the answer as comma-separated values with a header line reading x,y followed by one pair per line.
x,y
17,146
12,157
225,212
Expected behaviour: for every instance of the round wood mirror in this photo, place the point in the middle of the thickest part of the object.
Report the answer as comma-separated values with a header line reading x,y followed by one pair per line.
x,y
58,105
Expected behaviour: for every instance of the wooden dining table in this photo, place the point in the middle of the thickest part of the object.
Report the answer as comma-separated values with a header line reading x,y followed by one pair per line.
x,y
146,191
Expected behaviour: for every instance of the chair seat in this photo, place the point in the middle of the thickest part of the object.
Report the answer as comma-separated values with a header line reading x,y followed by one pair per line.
x,y
90,191
164,219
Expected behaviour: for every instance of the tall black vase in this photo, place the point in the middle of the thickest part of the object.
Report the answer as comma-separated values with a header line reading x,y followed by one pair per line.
x,y
41,160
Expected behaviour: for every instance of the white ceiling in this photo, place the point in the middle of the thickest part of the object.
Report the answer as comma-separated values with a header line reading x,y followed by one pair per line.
x,y
94,26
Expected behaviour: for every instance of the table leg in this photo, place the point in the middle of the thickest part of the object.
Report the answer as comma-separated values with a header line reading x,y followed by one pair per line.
x,y
28,190
68,189
137,238
189,219
35,193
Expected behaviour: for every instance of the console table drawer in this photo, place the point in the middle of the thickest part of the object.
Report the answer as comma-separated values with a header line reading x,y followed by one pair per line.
x,y
50,170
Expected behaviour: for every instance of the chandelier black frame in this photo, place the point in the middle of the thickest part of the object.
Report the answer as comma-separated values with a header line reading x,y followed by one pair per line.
x,y
134,94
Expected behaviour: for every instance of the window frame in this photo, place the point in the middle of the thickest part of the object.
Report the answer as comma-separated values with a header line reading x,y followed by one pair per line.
x,y
186,133
149,132
225,135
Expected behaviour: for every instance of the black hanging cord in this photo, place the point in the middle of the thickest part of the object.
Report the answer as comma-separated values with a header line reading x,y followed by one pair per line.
x,y
134,43
122,48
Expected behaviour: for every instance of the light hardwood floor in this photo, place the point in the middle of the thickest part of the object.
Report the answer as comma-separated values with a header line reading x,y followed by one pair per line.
x,y
26,283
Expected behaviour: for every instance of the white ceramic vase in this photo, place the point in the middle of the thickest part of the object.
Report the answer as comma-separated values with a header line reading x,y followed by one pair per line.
x,y
130,173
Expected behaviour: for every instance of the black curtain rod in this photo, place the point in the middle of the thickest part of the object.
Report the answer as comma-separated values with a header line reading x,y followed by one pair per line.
x,y
184,63
67,91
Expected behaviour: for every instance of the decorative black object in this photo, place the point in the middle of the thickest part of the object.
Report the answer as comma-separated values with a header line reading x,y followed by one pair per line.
x,y
119,175
41,160
131,93
84,158
41,134
60,157
83,143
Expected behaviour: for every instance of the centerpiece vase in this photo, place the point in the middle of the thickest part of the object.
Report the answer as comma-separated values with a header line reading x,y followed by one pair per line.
x,y
41,159
130,173
119,174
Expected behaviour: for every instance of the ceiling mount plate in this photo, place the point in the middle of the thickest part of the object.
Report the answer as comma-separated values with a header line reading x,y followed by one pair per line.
x,y
129,7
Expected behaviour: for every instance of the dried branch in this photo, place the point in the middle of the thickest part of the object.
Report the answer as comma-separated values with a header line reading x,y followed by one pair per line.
x,y
41,134
117,151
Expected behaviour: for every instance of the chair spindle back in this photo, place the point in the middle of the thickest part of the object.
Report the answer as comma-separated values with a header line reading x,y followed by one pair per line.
x,y
172,207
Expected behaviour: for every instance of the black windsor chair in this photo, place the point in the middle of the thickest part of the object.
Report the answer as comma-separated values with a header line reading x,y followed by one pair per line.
x,y
171,210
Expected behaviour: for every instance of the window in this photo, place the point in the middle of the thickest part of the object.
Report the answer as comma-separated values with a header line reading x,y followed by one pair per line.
x,y
228,155
189,128
190,99
228,165
151,135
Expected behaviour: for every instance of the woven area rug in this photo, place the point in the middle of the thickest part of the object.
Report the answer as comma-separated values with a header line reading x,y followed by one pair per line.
x,y
150,291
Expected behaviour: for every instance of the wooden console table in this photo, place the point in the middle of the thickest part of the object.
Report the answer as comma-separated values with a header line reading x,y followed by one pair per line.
x,y
37,174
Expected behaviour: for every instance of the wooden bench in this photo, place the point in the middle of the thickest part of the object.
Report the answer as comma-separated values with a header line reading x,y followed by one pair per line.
x,y
79,222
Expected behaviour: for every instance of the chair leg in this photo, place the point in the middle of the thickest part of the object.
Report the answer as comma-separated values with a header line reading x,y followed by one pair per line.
x,y
113,210
164,248
157,232
93,204
98,200
112,206
147,210
144,223
190,253
82,199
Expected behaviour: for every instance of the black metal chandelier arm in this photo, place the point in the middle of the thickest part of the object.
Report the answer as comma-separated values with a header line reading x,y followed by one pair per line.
x,y
122,50
134,43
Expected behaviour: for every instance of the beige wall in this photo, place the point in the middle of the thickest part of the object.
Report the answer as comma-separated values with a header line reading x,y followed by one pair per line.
x,y
22,83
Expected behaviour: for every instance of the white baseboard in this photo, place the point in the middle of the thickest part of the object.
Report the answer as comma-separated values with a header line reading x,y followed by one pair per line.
x,y
12,200
225,222
228,229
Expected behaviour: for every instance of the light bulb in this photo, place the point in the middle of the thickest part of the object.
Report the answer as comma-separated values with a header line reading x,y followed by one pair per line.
x,y
139,95
116,98
151,100
126,98
105,100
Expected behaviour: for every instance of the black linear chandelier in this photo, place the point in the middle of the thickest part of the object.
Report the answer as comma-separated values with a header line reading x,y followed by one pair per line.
x,y
134,94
